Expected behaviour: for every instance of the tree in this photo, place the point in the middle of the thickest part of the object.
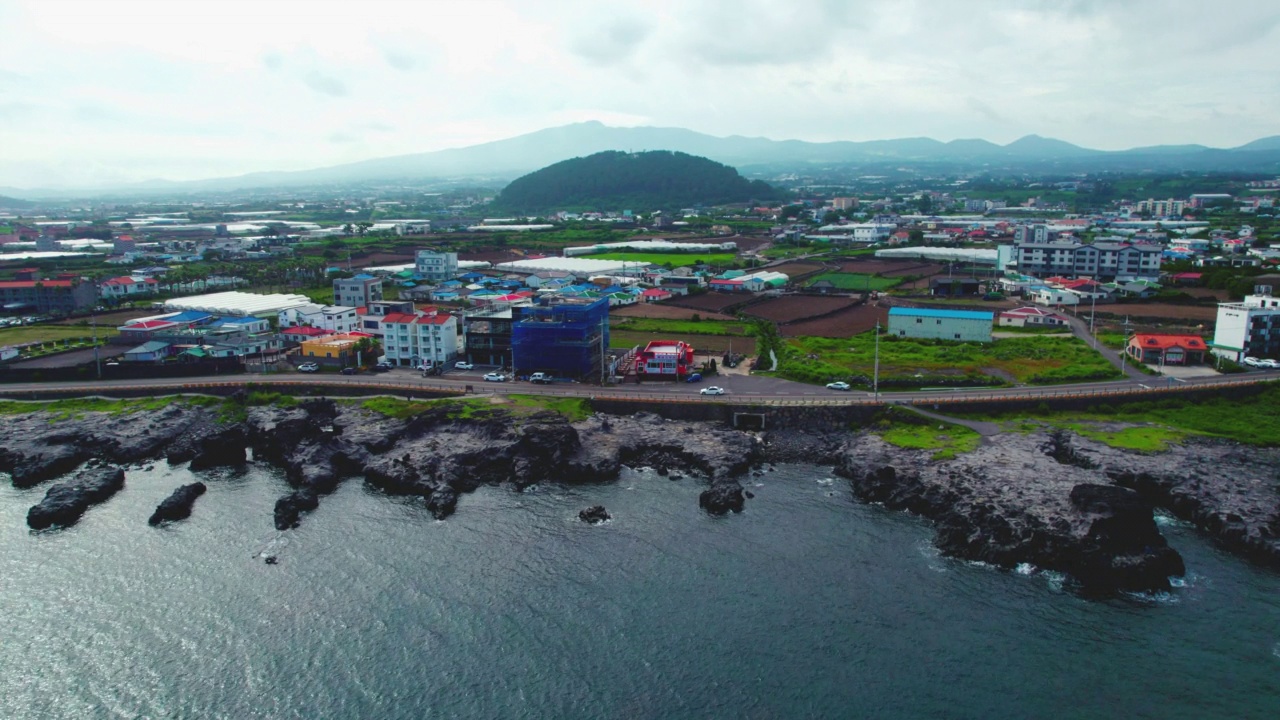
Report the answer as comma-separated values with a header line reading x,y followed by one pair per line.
x,y
831,218
348,229
363,227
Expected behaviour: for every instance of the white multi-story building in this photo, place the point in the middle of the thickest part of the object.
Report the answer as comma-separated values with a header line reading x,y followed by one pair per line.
x,y
1162,208
357,291
414,339
1101,260
338,318
436,267
1250,328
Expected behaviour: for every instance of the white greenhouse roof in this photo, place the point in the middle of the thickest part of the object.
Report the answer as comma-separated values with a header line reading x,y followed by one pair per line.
x,y
569,265
976,255
239,304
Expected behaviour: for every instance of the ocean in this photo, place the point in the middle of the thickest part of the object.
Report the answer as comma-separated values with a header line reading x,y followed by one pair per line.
x,y
807,605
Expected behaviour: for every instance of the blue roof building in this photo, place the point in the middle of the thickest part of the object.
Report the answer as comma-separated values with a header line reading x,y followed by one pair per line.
x,y
931,324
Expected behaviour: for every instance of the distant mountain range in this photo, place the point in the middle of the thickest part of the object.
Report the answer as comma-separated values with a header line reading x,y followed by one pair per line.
x,y
505,159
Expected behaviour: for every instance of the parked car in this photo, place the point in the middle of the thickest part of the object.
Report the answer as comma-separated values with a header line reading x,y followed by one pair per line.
x,y
1252,362
838,385
694,377
1268,363
713,390
463,365
350,371
308,367
495,377
383,366
541,378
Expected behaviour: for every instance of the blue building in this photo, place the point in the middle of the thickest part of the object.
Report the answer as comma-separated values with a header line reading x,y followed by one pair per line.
x,y
964,325
565,336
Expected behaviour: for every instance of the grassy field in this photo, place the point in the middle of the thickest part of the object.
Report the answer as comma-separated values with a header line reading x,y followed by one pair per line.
x,y
945,440
24,334
572,408
1152,425
680,327
672,259
906,362
625,340
856,281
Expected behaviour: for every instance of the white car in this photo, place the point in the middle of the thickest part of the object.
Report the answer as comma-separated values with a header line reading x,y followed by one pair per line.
x,y
1253,362
495,377
1268,363
713,390
838,386
309,367
463,365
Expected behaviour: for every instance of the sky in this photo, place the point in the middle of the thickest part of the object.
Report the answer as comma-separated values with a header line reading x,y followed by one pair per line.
x,y
111,91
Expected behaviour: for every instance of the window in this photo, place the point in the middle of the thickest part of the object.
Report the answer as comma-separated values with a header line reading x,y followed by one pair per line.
x,y
957,336
939,322
919,320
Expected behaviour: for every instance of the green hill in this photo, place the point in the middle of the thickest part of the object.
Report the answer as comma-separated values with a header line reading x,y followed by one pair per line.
x,y
637,181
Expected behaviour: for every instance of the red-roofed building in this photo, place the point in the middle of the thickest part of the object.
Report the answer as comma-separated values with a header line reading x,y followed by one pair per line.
x,y
303,333
1167,349
655,294
419,339
64,295
723,285
1031,317
664,360
125,286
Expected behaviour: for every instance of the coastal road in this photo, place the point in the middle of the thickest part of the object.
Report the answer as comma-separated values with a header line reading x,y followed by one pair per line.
x,y
739,388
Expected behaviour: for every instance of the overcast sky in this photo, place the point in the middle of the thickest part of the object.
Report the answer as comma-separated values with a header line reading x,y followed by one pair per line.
x,y
106,90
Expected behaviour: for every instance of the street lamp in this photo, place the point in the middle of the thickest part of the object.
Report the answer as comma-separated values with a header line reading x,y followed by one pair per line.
x,y
875,377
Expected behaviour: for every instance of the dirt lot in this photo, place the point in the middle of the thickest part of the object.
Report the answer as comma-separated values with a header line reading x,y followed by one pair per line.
x,y
1168,311
379,259
854,320
1219,295
713,343
795,269
709,302
493,256
797,307
111,319
665,312
890,268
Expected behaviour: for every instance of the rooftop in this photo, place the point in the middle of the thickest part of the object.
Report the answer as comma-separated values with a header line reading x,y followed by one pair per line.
x,y
951,314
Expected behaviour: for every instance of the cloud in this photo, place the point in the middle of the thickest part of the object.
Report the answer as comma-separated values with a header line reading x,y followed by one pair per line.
x,y
399,60
613,43
325,84
273,61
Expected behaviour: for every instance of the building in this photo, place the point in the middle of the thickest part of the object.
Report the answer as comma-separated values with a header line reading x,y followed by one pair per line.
x,y
120,288
1160,349
357,291
954,287
1250,328
300,334
238,304
1047,296
930,324
436,267
371,320
1162,208
334,350
414,339
61,295
1031,317
335,318
1033,234
665,360
1100,260
565,336
487,335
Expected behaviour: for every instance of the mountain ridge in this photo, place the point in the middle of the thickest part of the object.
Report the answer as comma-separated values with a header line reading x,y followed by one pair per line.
x,y
511,157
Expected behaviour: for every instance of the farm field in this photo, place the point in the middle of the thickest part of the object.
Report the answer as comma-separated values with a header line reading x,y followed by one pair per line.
x,y
48,333
112,319
1168,311
673,259
796,269
908,362
625,339
889,267
682,327
789,308
712,301
845,323
664,311
855,282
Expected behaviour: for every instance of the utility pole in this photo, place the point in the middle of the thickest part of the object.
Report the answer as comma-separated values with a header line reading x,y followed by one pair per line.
x,y
1093,306
97,360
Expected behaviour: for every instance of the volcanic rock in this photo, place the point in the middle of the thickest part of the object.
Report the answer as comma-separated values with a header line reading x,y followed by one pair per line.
x,y
594,515
178,505
721,498
65,502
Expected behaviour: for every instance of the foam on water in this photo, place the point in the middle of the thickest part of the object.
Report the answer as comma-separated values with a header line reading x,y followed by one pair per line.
x,y
1025,569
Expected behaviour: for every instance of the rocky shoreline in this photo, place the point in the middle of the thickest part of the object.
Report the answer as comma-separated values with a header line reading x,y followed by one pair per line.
x,y
1052,499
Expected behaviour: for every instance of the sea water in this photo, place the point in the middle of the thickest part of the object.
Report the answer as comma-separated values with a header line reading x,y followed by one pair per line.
x,y
806,605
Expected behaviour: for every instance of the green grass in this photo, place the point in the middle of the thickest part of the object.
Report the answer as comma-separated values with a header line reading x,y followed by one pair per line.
x,y
945,440
908,362
24,334
77,407
681,327
674,259
1152,425
572,408
857,281
777,253
1115,341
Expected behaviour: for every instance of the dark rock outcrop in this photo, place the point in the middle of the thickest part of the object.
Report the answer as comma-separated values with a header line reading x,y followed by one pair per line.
x,y
290,508
721,498
1010,502
594,515
178,505
65,502
226,448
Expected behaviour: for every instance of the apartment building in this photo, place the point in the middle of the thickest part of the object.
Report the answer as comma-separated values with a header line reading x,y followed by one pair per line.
x,y
417,338
357,291
1100,260
1250,328
436,267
